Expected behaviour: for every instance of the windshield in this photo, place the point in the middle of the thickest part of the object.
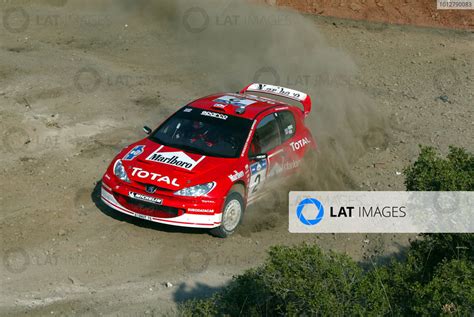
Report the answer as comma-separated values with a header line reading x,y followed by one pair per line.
x,y
204,132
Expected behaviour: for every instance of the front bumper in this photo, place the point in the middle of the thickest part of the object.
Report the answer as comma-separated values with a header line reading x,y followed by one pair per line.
x,y
183,212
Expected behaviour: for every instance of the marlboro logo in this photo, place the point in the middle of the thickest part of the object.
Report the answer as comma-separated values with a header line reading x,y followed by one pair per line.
x,y
179,159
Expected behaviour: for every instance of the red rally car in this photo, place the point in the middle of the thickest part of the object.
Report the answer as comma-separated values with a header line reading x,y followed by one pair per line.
x,y
207,162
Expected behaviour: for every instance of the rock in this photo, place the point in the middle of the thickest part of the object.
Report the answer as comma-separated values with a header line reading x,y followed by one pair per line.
x,y
443,98
62,232
168,285
73,280
355,7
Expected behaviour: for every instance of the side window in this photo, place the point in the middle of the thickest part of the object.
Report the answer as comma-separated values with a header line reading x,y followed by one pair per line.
x,y
266,137
288,125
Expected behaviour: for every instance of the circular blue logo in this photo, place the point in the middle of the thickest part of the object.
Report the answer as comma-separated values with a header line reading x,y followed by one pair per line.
x,y
302,218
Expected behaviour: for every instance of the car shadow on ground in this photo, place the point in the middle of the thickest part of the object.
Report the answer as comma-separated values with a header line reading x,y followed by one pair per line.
x,y
199,290
95,196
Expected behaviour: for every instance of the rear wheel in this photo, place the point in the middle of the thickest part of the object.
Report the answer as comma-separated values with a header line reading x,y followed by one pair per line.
x,y
231,215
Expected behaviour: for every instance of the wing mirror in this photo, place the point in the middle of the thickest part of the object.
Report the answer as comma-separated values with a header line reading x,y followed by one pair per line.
x,y
258,157
147,130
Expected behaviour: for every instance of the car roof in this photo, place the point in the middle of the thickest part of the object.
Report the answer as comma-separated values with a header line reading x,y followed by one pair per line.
x,y
229,103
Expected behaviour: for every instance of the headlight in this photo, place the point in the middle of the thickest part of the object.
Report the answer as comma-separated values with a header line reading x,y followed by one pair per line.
x,y
120,172
198,190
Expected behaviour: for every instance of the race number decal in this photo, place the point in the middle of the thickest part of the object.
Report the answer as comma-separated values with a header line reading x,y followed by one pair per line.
x,y
258,172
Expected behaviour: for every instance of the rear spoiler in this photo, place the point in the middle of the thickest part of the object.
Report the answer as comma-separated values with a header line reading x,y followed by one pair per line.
x,y
303,98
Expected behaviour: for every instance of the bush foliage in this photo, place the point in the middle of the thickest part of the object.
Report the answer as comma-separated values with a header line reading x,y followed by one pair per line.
x,y
435,278
433,173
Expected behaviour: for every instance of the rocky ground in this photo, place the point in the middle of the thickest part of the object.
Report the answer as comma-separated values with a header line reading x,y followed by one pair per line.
x,y
77,83
414,12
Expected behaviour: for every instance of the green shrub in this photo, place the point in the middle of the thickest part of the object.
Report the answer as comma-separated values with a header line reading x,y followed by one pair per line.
x,y
435,278
432,173
450,291
295,281
303,280
436,248
415,286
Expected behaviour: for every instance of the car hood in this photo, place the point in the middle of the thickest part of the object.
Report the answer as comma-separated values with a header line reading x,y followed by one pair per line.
x,y
172,168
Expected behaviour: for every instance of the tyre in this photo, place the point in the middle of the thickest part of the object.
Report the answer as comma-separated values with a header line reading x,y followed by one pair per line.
x,y
231,215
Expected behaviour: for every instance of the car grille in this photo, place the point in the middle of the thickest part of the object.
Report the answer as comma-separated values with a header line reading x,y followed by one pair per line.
x,y
159,189
147,208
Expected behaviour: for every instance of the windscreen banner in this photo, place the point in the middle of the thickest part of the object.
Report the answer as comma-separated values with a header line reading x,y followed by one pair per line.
x,y
381,212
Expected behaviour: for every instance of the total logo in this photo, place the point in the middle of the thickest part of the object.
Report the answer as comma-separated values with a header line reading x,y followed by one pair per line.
x,y
140,173
295,146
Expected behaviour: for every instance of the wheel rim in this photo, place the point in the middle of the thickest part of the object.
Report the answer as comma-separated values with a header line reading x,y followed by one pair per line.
x,y
231,215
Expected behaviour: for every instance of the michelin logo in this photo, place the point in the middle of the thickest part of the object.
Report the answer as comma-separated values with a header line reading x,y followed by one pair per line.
x,y
145,198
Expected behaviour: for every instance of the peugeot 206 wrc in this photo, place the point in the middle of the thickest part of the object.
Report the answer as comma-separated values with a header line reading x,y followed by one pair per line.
x,y
207,162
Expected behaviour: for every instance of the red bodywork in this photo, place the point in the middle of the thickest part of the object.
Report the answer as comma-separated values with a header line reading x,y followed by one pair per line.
x,y
162,205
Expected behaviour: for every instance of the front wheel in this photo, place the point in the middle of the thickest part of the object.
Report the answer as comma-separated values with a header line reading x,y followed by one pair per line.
x,y
231,215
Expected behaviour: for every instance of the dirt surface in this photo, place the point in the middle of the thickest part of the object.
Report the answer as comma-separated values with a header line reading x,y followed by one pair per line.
x,y
78,81
413,12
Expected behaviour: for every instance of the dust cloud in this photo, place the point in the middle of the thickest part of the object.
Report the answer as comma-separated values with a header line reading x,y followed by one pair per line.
x,y
224,45
228,44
